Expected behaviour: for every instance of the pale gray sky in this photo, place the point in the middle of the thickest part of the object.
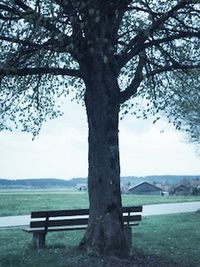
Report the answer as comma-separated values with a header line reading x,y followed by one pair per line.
x,y
60,151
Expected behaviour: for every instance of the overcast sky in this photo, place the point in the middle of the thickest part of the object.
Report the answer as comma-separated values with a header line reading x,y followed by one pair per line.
x,y
60,151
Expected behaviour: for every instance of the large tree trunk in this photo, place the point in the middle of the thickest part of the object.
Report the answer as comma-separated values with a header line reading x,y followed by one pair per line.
x,y
105,233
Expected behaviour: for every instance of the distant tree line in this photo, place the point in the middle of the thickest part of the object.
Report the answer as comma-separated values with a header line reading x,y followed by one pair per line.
x,y
41,183
51,182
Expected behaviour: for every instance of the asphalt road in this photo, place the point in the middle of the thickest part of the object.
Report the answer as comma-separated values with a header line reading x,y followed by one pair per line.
x,y
148,210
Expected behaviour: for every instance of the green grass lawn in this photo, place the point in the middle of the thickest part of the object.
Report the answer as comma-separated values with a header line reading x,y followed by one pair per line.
x,y
176,237
21,202
159,241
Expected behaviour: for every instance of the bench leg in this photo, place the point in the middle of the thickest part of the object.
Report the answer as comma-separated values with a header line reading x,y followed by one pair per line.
x,y
39,240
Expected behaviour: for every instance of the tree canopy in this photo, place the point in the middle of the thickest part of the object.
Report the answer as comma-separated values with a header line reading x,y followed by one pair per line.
x,y
43,42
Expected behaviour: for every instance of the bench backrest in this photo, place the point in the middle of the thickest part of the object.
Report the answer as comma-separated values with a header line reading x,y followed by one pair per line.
x,y
76,217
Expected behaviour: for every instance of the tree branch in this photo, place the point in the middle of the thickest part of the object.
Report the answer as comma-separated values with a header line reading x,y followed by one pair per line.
x,y
7,8
73,15
172,67
19,41
39,71
51,44
31,15
137,44
131,90
180,35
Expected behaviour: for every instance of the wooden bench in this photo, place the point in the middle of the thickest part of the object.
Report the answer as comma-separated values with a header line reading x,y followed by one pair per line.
x,y
43,222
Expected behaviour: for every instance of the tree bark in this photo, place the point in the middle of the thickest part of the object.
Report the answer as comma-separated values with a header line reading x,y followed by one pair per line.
x,y
105,232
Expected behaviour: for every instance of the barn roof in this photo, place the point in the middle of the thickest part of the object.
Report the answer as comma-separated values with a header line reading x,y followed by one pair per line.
x,y
181,186
154,187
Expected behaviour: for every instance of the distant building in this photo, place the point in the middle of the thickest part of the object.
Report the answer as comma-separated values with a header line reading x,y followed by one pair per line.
x,y
145,188
181,190
81,187
165,188
195,182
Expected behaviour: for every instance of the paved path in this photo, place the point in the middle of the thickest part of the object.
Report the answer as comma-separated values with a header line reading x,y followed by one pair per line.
x,y
14,221
155,209
159,209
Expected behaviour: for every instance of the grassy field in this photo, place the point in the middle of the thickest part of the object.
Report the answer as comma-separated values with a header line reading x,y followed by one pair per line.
x,y
159,241
21,202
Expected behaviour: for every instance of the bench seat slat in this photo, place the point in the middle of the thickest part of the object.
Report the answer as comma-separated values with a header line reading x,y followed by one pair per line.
x,y
65,222
54,229
132,209
58,213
